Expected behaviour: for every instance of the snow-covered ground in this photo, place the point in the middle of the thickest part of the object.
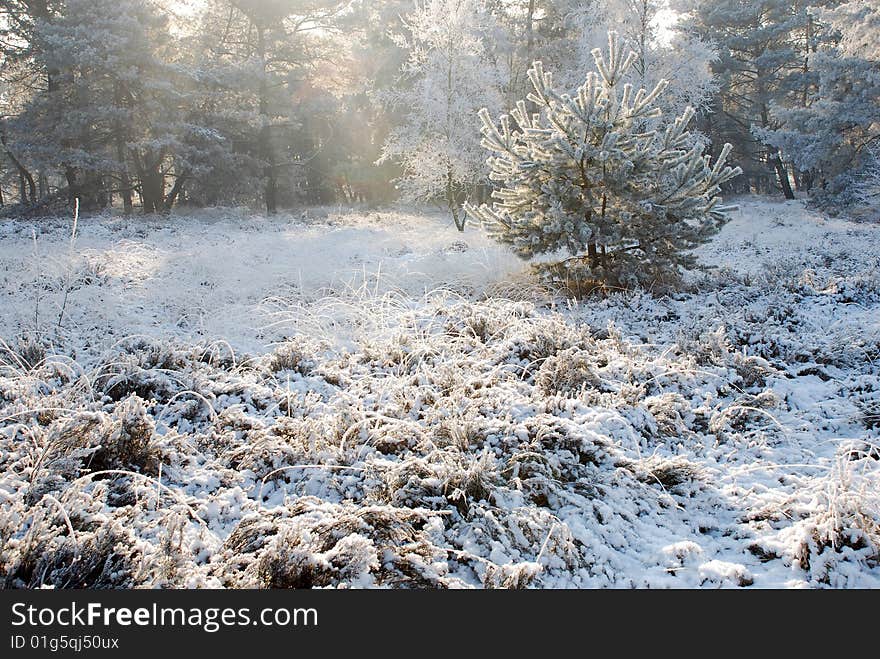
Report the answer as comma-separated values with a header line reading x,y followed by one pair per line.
x,y
372,399
222,275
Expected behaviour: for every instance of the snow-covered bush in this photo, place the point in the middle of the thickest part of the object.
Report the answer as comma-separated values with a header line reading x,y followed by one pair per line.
x,y
596,175
568,372
845,521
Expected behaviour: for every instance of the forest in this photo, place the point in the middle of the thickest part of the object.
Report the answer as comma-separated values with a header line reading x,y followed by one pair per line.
x,y
144,105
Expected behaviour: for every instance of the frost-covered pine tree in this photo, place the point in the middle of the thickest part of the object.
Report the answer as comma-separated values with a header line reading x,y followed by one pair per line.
x,y
115,114
832,136
597,176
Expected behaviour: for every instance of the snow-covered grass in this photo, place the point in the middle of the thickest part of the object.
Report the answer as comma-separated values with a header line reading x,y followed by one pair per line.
x,y
372,399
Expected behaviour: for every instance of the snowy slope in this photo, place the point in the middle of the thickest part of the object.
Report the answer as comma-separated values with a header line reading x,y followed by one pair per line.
x,y
349,399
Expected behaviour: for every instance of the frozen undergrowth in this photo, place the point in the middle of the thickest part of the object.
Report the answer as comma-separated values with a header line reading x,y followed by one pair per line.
x,y
483,434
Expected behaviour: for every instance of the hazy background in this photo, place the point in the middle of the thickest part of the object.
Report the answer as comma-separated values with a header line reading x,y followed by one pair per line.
x,y
145,105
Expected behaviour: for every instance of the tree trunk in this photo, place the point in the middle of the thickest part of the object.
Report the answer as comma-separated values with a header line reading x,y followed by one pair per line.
x,y
773,157
451,202
103,187
781,174
176,189
271,191
153,186
72,184
807,181
125,185
808,34
121,156
88,188
266,150
152,182
530,33
643,11
25,178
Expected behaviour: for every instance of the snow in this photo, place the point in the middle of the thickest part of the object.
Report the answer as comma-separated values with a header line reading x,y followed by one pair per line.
x,y
371,399
220,275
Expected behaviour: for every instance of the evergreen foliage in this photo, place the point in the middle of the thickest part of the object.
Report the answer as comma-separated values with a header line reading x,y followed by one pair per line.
x,y
831,138
597,176
764,59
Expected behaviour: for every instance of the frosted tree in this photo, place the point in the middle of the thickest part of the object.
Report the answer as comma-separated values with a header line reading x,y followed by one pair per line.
x,y
764,59
450,74
108,109
557,32
582,175
272,39
679,57
563,34
858,22
114,116
868,188
831,137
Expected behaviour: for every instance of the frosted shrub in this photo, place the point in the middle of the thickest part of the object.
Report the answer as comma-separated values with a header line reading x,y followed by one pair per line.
x,y
568,373
27,355
513,576
128,441
671,412
291,564
292,356
846,522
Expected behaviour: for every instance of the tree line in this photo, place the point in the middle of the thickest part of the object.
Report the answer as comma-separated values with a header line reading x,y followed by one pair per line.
x,y
149,104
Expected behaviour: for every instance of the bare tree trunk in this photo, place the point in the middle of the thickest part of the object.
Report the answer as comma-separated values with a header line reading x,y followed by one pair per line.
x,y
451,202
597,258
87,187
31,187
152,181
125,186
154,192
176,189
781,174
266,150
807,181
530,33
122,157
25,177
73,186
643,10
773,157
